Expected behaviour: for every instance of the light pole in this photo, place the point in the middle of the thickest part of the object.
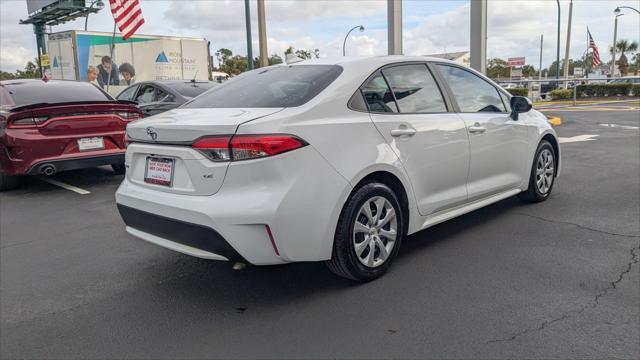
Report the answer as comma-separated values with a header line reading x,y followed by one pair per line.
x,y
615,39
344,43
247,20
99,5
617,10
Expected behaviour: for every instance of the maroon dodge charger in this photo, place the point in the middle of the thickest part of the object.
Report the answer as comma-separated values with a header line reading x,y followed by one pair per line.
x,y
57,125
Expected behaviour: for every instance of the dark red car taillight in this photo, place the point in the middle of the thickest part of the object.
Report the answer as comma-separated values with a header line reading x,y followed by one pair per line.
x,y
27,122
246,147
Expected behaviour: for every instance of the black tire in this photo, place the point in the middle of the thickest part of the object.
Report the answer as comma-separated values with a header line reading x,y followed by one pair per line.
x,y
533,193
344,261
119,168
8,182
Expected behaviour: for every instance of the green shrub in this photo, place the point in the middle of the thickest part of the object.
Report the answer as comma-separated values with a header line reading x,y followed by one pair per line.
x,y
635,90
519,91
604,90
561,94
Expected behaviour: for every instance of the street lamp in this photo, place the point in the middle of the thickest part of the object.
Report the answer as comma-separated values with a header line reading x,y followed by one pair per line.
x,y
615,39
617,10
99,5
344,43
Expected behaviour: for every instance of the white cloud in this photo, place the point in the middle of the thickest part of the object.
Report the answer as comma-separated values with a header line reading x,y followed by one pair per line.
x,y
17,42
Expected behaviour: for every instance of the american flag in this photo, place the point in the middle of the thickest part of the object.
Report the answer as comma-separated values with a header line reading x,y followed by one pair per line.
x,y
596,53
128,16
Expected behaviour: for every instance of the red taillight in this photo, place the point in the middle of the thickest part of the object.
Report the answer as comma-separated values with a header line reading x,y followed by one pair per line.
x,y
246,147
216,148
129,116
27,122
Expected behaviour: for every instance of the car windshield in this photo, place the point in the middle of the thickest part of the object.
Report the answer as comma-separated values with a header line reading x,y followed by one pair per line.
x,y
24,93
190,89
278,86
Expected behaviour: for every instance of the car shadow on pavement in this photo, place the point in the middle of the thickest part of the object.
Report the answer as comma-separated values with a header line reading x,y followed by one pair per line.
x,y
212,283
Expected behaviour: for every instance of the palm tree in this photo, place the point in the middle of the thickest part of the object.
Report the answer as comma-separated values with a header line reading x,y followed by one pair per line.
x,y
623,46
636,62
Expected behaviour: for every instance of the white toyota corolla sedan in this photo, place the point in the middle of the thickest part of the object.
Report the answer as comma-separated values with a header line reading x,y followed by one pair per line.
x,y
333,160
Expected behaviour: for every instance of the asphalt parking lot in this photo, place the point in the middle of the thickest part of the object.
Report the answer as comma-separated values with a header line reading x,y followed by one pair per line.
x,y
560,279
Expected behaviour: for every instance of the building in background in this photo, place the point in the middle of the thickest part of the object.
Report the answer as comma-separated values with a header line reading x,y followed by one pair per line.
x,y
460,57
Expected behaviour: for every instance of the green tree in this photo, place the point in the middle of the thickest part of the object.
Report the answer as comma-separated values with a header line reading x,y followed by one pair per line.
x,y
497,68
30,71
223,55
529,71
622,47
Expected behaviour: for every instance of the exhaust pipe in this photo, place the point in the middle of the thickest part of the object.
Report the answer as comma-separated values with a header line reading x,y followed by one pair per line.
x,y
48,169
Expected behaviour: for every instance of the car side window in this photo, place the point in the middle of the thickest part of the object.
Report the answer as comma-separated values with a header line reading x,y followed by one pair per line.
x,y
378,96
472,93
163,96
127,94
146,94
415,89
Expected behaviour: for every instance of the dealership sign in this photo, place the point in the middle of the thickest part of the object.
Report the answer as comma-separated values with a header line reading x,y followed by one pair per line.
x,y
515,62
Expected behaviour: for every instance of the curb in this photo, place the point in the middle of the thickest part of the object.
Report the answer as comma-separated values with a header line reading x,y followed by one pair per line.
x,y
554,120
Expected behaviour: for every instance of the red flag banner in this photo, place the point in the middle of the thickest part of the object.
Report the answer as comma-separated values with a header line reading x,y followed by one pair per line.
x,y
596,53
127,15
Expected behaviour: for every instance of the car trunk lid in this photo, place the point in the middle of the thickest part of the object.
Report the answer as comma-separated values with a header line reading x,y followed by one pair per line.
x,y
160,155
181,126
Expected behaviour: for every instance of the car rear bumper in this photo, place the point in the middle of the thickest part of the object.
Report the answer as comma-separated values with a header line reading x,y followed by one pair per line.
x,y
188,238
76,163
269,211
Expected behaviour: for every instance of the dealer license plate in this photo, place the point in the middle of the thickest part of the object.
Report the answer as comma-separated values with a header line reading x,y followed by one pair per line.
x,y
159,171
93,143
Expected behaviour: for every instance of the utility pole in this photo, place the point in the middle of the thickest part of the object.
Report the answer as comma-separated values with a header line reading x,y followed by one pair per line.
x,y
247,20
566,52
540,64
478,35
394,27
262,35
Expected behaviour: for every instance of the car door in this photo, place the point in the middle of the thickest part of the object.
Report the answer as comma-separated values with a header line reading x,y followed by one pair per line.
x,y
410,111
499,145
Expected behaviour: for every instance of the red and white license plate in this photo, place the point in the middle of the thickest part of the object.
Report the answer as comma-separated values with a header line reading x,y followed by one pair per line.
x,y
159,171
92,143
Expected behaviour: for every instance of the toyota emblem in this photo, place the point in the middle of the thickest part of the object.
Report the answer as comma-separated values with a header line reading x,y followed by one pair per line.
x,y
152,133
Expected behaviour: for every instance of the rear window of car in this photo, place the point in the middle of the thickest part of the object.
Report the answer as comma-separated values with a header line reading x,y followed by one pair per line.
x,y
191,90
279,86
24,93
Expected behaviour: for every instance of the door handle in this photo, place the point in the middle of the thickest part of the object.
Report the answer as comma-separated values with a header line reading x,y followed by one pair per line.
x,y
477,129
403,132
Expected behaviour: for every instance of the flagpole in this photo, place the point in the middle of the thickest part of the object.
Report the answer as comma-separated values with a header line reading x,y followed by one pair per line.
x,y
584,62
113,39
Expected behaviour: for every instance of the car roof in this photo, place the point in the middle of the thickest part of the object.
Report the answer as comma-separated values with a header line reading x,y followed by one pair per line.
x,y
38,82
368,60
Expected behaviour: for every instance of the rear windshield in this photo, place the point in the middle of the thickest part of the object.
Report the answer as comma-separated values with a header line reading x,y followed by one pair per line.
x,y
54,92
279,86
190,89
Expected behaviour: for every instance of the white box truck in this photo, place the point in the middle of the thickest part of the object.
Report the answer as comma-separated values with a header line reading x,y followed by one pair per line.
x,y
149,57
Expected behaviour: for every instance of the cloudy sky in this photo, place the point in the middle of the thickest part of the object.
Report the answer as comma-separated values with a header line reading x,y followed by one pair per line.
x,y
429,26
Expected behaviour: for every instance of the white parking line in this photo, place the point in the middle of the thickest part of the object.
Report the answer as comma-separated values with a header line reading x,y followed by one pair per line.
x,y
64,186
578,138
626,127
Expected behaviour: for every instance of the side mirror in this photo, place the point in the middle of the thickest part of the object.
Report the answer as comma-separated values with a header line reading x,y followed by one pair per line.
x,y
519,104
